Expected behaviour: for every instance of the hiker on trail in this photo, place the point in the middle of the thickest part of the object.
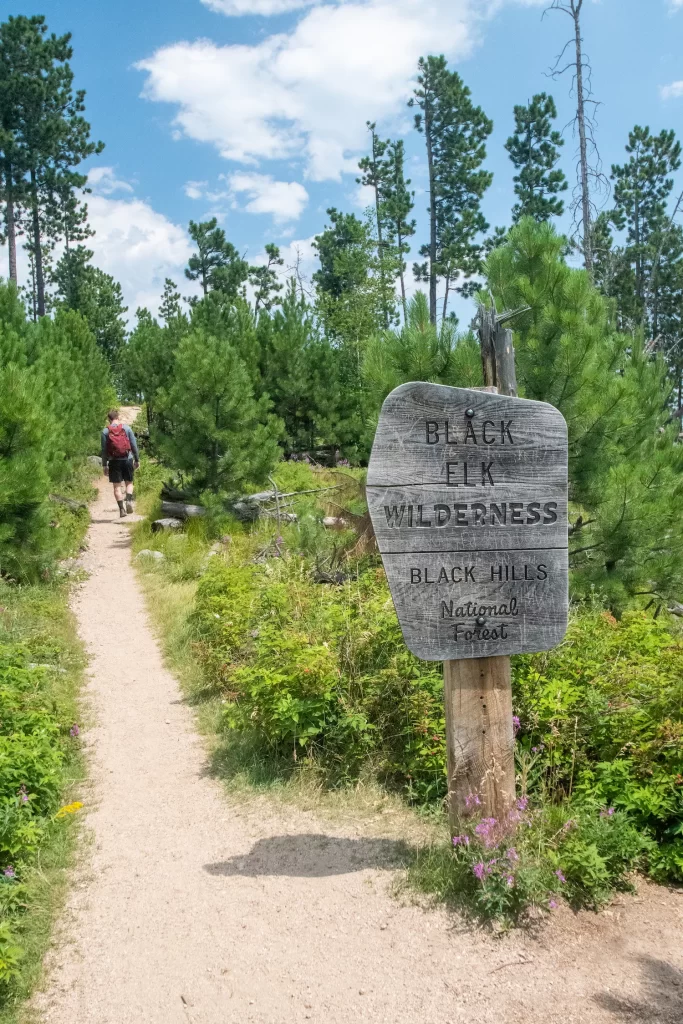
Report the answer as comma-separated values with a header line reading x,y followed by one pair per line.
x,y
120,458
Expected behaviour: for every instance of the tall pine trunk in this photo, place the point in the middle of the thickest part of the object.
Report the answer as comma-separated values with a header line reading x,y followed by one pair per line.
x,y
583,142
11,225
380,241
432,217
401,274
37,249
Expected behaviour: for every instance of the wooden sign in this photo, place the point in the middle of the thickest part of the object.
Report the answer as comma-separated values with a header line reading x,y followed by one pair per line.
x,y
468,497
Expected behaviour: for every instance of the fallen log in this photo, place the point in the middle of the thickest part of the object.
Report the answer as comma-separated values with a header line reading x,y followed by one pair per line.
x,y
181,510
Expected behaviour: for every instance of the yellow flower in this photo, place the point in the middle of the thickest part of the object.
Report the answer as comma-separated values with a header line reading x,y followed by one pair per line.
x,y
69,809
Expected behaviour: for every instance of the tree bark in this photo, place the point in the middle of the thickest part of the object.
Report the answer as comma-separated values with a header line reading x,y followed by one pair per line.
x,y
432,215
11,225
583,143
37,249
402,276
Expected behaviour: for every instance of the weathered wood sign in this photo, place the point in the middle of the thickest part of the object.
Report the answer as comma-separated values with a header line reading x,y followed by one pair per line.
x,y
468,497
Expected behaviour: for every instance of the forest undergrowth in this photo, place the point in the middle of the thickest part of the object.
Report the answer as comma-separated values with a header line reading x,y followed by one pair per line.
x,y
41,764
306,688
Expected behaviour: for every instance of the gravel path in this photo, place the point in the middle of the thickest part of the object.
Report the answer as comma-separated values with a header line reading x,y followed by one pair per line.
x,y
188,910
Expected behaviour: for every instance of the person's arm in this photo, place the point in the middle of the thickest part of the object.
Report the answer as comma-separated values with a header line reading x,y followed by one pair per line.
x,y
105,458
133,444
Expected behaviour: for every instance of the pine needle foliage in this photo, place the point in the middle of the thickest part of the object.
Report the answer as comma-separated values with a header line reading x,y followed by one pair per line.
x,y
625,469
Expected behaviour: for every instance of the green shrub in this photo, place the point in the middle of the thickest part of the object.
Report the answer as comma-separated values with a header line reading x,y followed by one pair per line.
x,y
601,717
535,857
320,673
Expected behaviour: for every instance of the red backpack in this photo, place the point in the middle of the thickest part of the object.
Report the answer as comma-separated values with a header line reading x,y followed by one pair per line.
x,y
118,444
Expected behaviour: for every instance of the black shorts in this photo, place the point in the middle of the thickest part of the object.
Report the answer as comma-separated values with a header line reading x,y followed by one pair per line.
x,y
120,471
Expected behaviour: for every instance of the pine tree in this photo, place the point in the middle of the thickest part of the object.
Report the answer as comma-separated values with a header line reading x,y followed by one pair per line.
x,y
170,308
55,388
420,351
94,294
24,480
642,189
216,265
398,203
264,279
147,361
215,429
455,133
352,295
299,371
534,150
625,471
375,175
49,136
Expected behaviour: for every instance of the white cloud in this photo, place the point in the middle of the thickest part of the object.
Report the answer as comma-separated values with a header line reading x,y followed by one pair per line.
x,y
308,92
195,189
285,200
103,180
675,89
134,243
235,8
138,246
675,4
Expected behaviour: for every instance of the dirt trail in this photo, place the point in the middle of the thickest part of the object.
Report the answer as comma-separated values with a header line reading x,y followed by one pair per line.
x,y
188,910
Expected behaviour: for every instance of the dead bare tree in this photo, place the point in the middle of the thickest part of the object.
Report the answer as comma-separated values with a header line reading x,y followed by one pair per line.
x,y
591,180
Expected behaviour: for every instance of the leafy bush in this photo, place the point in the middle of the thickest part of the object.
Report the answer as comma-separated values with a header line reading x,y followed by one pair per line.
x,y
602,718
320,673
40,664
499,870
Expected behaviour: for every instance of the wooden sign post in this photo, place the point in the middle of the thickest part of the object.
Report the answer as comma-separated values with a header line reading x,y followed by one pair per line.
x,y
467,490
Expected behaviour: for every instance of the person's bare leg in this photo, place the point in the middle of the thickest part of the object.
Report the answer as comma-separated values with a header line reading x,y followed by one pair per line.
x,y
119,494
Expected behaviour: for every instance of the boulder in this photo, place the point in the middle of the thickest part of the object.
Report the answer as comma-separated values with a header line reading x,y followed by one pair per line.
x,y
158,556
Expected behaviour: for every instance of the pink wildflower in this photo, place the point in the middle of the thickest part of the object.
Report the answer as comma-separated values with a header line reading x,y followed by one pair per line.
x,y
552,904
560,876
479,870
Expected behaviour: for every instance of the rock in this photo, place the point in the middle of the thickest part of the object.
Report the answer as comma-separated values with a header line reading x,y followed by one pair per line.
x,y
158,556
336,523
95,460
166,524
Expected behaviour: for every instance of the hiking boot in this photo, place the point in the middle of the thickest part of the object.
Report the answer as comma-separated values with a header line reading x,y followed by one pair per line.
x,y
129,506
122,513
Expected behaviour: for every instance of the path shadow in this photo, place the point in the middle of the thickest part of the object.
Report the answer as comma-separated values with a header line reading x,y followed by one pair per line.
x,y
662,996
313,856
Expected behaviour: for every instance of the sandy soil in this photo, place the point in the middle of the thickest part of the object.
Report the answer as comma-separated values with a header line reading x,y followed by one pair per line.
x,y
189,910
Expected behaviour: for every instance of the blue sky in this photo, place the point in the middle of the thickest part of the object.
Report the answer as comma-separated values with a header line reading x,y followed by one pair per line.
x,y
210,107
